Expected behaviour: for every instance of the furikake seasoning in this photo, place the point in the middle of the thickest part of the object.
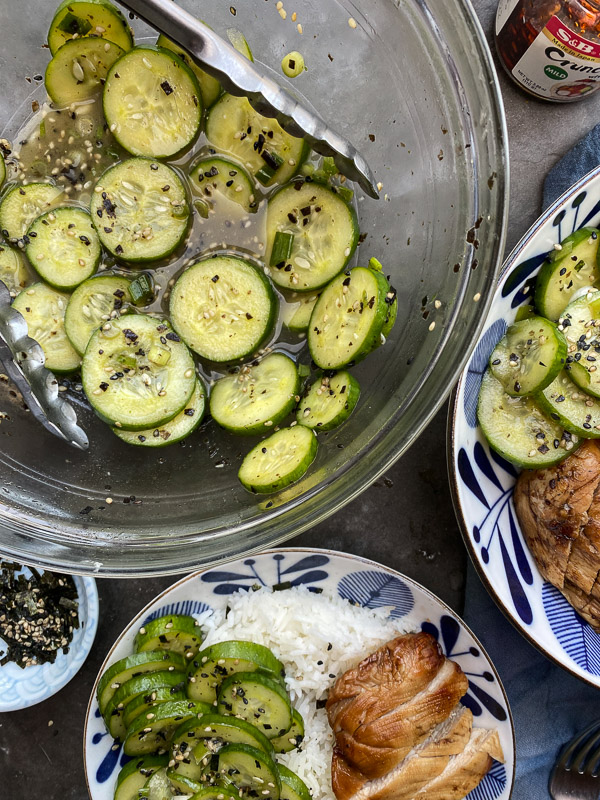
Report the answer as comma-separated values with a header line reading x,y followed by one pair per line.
x,y
38,615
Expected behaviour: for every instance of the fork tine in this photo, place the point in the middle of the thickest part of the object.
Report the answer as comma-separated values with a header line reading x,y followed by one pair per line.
x,y
575,744
593,764
580,757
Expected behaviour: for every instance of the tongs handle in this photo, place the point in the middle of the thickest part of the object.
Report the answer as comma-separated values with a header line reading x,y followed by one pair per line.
x,y
240,77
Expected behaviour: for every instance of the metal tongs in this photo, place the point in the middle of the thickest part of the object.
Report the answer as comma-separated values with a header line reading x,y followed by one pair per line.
x,y
23,359
240,77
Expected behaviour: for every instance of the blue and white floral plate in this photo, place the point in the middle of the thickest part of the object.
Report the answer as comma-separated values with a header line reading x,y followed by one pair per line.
x,y
482,482
21,688
365,582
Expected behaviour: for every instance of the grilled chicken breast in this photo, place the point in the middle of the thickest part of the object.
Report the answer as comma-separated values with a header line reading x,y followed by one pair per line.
x,y
559,513
399,726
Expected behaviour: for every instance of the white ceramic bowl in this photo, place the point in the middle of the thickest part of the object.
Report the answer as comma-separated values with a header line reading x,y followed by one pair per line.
x,y
21,688
482,482
357,579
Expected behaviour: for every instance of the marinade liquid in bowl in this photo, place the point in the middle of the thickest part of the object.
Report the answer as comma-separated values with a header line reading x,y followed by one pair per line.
x,y
412,86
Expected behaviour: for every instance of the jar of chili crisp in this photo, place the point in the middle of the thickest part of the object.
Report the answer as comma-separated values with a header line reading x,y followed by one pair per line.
x,y
551,48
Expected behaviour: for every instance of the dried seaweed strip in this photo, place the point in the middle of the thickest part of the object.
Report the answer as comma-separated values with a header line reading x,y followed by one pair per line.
x,y
38,614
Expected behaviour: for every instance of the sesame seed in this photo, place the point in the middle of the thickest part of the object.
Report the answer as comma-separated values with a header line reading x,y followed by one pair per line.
x,y
477,297
352,22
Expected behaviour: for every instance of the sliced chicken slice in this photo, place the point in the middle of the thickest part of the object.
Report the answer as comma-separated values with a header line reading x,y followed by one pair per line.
x,y
465,771
423,763
388,677
405,725
553,507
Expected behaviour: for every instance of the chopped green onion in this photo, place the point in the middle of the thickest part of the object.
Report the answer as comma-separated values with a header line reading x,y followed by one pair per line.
x,y
303,370
202,208
159,355
293,64
282,247
128,361
264,175
346,194
42,128
73,24
375,264
272,160
142,289
329,167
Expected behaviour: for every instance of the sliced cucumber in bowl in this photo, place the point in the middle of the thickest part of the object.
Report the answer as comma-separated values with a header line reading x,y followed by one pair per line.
x,y
79,69
137,373
93,303
518,429
279,460
152,102
529,356
90,19
565,403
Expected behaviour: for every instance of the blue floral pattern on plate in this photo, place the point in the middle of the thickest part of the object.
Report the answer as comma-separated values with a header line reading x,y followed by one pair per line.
x,y
483,482
21,688
358,580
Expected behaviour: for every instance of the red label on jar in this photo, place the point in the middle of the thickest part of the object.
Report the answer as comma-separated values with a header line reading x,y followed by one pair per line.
x,y
571,42
559,64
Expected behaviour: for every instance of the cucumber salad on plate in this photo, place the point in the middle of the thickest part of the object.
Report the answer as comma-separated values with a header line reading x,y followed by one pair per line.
x,y
540,396
177,255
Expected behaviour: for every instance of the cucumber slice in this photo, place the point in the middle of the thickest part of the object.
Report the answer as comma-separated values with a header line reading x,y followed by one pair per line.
x,y
140,210
218,176
144,703
258,397
279,460
151,735
292,787
223,308
176,632
92,304
141,685
213,664
136,372
13,271
22,204
296,311
566,271
135,773
329,401
184,785
64,247
234,127
79,69
325,231
252,771
152,102
257,698
176,429
43,310
212,731
157,787
580,322
210,88
565,403
529,356
518,429
348,319
292,739
216,793
131,666
92,18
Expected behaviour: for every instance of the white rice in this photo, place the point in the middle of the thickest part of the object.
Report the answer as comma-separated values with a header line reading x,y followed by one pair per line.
x,y
317,637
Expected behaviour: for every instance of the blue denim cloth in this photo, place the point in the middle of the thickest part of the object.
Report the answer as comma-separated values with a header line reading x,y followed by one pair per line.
x,y
549,706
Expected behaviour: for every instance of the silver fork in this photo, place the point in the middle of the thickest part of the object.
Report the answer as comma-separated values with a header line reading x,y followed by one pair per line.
x,y
576,773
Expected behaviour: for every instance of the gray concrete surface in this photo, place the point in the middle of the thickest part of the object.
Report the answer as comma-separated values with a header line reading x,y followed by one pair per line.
x,y
42,761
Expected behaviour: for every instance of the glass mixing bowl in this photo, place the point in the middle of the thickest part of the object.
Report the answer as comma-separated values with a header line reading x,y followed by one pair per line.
x,y
413,86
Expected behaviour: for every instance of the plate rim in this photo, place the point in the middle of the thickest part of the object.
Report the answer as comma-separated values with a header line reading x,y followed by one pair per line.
x,y
90,590
306,550
451,425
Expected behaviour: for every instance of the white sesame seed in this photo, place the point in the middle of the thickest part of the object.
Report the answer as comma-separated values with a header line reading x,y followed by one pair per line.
x,y
352,22
477,297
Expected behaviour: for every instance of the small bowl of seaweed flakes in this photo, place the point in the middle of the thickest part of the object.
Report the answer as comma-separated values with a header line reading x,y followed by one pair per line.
x,y
47,625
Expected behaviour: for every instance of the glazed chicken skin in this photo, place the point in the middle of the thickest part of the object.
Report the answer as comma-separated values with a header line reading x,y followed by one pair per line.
x,y
559,513
400,731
